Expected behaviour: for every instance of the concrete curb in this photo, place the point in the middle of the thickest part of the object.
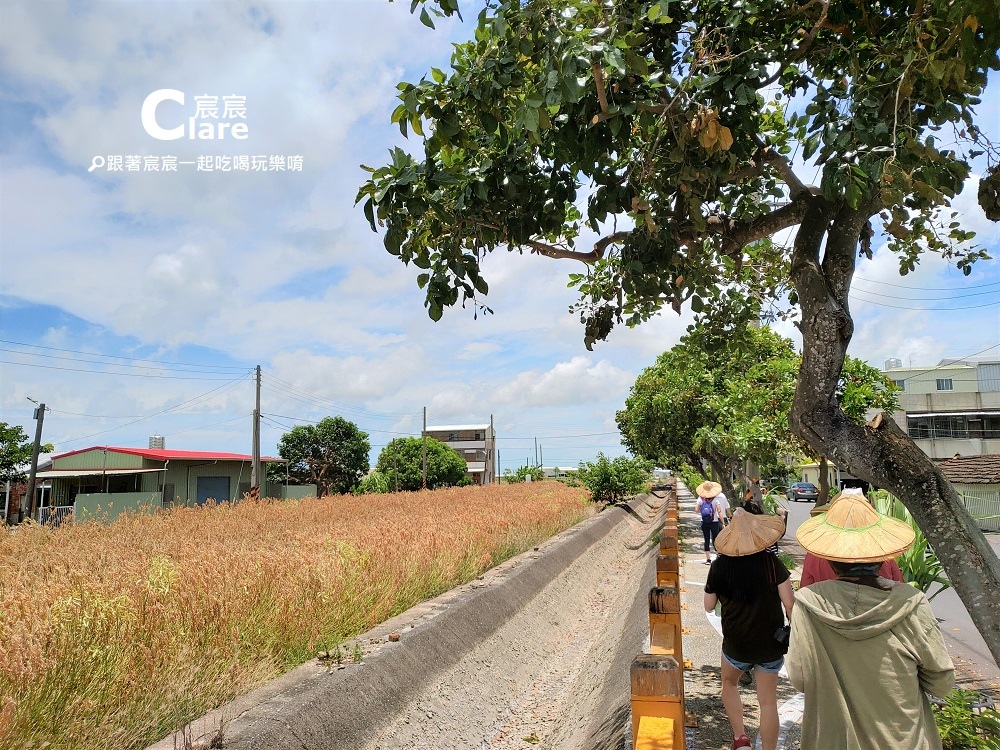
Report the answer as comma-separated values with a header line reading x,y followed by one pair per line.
x,y
319,709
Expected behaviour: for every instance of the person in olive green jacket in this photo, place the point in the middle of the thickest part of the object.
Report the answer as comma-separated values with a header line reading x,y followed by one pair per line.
x,y
864,650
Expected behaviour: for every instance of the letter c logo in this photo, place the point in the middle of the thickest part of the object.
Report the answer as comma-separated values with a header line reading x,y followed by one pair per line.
x,y
149,123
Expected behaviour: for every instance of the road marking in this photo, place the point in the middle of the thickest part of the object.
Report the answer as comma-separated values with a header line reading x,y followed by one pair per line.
x,y
789,715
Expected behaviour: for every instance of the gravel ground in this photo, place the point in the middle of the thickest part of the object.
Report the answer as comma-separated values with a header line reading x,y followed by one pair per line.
x,y
542,680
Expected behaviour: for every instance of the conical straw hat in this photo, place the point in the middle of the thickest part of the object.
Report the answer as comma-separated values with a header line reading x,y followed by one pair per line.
x,y
747,534
853,531
708,489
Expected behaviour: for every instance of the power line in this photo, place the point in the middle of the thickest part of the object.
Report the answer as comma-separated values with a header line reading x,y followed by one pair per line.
x,y
205,426
103,364
921,299
115,356
101,372
925,309
317,421
293,391
928,288
215,391
940,367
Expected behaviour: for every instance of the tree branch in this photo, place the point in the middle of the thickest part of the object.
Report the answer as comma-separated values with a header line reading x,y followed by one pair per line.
x,y
602,95
600,247
739,235
796,188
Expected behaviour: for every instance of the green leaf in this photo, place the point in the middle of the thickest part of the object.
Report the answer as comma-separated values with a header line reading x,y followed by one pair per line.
x,y
422,280
438,75
426,20
434,312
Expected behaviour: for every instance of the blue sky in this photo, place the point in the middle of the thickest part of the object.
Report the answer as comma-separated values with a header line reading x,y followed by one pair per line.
x,y
135,303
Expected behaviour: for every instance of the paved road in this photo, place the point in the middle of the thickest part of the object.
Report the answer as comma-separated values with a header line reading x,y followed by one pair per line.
x,y
964,642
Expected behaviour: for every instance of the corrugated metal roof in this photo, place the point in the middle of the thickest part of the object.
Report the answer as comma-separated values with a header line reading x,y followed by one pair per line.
x,y
166,454
62,473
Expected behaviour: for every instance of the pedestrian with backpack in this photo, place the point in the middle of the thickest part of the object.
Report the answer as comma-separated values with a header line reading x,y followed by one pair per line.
x,y
756,596
711,514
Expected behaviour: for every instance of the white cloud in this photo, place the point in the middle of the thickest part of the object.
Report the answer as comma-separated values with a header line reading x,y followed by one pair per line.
x,y
571,383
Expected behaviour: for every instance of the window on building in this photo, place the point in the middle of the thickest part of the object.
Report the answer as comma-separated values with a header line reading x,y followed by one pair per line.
x,y
991,427
901,384
918,428
944,384
923,428
951,427
452,437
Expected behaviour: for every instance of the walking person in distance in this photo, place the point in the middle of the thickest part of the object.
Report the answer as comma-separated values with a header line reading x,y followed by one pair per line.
x,y
711,514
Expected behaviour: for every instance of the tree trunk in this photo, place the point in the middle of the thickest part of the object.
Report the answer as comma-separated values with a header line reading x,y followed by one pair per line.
x,y
824,481
721,472
879,452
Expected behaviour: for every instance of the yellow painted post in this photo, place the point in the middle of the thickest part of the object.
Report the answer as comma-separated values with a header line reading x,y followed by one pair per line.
x,y
665,622
669,542
655,733
668,570
658,692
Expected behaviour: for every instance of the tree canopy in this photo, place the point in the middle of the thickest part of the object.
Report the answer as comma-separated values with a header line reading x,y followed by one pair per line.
x,y
332,454
727,401
401,461
15,453
667,144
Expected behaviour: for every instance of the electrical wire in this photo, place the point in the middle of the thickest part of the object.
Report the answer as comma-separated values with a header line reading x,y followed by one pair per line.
x,y
317,421
927,309
939,367
301,394
928,288
100,372
234,368
191,401
924,298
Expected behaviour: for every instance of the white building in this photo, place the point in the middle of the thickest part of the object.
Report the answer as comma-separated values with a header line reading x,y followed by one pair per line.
x,y
952,408
476,443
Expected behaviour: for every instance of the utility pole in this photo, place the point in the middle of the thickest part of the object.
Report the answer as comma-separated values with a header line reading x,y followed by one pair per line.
x,y
493,450
255,449
541,456
425,448
536,452
39,418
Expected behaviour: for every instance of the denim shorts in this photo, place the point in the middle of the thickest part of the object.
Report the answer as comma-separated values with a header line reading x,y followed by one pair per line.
x,y
770,666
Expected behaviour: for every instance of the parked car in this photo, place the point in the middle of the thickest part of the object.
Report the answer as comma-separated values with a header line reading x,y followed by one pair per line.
x,y
802,491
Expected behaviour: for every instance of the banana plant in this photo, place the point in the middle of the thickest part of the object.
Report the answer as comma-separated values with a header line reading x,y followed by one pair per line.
x,y
919,564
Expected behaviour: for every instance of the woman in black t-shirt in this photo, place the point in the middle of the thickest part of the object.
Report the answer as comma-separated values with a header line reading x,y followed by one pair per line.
x,y
753,587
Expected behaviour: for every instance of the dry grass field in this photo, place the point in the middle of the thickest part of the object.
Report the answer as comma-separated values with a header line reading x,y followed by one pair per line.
x,y
112,636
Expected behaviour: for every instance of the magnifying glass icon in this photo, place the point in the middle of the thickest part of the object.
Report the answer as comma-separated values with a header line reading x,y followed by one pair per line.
x,y
96,163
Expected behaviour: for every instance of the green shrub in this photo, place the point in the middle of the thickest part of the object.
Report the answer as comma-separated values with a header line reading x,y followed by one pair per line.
x,y
522,473
376,483
614,481
963,728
